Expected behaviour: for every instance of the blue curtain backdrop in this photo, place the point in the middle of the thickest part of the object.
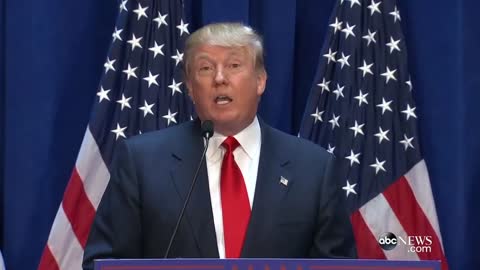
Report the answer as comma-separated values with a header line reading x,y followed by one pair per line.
x,y
52,55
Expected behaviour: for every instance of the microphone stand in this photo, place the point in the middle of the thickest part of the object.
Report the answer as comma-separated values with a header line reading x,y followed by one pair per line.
x,y
207,133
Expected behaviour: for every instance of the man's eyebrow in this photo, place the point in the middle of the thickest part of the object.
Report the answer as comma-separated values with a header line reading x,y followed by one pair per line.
x,y
235,53
202,56
202,59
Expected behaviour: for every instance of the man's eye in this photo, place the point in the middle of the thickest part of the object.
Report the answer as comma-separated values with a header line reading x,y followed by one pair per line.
x,y
205,68
235,65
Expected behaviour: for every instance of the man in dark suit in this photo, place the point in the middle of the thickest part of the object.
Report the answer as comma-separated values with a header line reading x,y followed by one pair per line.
x,y
260,192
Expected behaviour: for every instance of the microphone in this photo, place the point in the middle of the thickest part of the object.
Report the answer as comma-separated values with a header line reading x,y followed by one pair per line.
x,y
207,129
207,133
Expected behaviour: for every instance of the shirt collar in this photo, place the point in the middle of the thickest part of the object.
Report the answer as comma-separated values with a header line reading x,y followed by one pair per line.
x,y
249,139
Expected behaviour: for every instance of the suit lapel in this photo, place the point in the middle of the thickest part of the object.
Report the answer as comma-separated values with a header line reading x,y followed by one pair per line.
x,y
269,191
199,210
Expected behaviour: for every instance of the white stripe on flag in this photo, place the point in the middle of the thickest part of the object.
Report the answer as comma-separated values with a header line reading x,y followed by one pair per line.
x,y
380,218
419,182
64,245
2,264
92,169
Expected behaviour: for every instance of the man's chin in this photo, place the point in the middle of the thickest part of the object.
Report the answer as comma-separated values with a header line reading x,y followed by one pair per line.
x,y
230,126
227,126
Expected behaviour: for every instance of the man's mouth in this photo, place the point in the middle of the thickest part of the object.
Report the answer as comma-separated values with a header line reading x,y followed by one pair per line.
x,y
222,100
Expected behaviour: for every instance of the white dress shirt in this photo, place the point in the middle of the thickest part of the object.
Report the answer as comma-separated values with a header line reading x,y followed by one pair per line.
x,y
247,158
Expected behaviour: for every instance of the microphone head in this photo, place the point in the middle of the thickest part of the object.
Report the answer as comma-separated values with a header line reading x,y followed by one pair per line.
x,y
207,129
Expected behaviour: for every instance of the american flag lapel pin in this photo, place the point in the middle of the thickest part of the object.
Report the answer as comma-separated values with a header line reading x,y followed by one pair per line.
x,y
283,181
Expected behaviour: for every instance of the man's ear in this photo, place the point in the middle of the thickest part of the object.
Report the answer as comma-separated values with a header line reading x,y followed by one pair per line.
x,y
261,82
188,83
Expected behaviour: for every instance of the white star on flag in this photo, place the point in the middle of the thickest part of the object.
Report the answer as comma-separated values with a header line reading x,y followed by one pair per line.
x,y
353,158
147,108
175,87
103,94
389,74
317,116
135,42
378,166
109,65
116,34
330,56
349,188
124,102
119,131
178,57
396,14
410,112
324,85
393,44
370,37
357,129
141,12
344,60
409,83
170,117
331,149
407,142
362,98
160,20
183,27
353,2
339,91
334,121
123,6
156,49
130,72
348,31
337,26
151,79
374,7
385,105
382,135
366,68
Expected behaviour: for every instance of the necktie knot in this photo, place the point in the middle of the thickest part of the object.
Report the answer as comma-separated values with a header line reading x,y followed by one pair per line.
x,y
230,144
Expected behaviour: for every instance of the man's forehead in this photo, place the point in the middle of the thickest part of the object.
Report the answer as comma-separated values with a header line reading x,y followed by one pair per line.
x,y
206,50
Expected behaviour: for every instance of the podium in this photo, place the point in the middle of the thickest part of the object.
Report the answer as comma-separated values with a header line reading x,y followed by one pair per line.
x,y
262,264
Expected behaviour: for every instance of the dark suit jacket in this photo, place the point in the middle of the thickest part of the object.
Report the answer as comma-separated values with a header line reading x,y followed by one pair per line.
x,y
152,173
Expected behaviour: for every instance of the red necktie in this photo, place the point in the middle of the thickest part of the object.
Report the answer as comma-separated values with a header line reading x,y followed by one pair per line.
x,y
235,203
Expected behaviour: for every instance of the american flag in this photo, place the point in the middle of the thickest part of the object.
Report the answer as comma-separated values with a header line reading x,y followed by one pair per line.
x,y
141,90
361,109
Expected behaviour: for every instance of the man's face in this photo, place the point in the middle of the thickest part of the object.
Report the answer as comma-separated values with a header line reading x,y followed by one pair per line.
x,y
225,86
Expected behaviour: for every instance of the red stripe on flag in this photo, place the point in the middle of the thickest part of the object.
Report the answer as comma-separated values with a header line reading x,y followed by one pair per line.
x,y
48,262
414,221
367,245
78,208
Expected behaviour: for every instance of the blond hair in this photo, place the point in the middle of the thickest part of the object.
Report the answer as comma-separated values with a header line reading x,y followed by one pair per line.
x,y
228,35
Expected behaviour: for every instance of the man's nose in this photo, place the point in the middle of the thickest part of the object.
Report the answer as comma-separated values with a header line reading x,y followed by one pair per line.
x,y
220,77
